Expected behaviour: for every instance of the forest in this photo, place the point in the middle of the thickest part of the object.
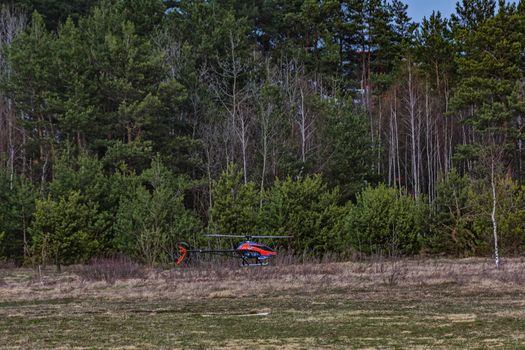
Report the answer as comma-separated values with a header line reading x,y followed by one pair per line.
x,y
127,126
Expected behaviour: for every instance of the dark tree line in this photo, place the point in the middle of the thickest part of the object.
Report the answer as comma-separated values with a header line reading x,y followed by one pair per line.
x,y
126,126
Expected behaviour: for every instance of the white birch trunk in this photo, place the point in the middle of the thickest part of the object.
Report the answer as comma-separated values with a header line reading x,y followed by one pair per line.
x,y
493,214
302,126
413,131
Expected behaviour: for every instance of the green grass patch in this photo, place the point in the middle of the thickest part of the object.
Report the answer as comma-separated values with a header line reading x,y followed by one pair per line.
x,y
340,321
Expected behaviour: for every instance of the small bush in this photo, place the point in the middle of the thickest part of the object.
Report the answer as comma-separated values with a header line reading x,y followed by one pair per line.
x,y
307,210
451,224
111,270
385,222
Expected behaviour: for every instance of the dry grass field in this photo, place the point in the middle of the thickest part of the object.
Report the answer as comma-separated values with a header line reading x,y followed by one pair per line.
x,y
399,304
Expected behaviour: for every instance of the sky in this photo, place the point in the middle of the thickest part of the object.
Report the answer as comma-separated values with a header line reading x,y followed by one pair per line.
x,y
417,9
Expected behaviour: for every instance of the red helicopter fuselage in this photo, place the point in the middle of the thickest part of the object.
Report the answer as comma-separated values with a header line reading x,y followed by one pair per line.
x,y
257,250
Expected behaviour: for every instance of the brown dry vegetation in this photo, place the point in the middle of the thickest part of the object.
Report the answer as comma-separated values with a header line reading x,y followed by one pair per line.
x,y
466,275
381,303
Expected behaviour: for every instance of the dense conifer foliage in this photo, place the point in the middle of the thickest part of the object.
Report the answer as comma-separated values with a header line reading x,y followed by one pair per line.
x,y
126,126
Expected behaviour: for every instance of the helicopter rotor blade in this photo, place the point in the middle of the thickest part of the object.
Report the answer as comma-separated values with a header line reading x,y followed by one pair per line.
x,y
221,235
245,236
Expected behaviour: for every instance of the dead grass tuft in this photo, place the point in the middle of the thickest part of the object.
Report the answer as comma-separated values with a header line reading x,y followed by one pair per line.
x,y
111,269
120,279
7,264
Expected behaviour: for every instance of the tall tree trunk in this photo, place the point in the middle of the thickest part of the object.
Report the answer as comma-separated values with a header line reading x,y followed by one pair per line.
x,y
493,214
12,22
379,140
413,131
396,135
244,147
263,171
11,147
428,144
302,126
520,147
391,149
210,182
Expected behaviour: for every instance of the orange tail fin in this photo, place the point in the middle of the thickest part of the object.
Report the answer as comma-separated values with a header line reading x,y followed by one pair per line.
x,y
183,252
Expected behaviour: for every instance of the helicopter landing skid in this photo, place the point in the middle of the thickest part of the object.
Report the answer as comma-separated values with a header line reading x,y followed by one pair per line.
x,y
246,263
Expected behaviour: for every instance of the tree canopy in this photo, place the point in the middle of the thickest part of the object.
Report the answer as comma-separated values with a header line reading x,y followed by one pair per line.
x,y
144,122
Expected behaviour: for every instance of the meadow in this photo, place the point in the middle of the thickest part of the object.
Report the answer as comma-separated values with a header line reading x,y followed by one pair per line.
x,y
418,303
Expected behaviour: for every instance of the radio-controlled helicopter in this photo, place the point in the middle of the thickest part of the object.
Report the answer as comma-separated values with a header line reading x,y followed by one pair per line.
x,y
251,253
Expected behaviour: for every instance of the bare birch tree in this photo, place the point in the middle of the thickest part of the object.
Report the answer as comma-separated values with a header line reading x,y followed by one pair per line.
x,y
412,100
230,87
492,156
267,129
301,90
11,140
